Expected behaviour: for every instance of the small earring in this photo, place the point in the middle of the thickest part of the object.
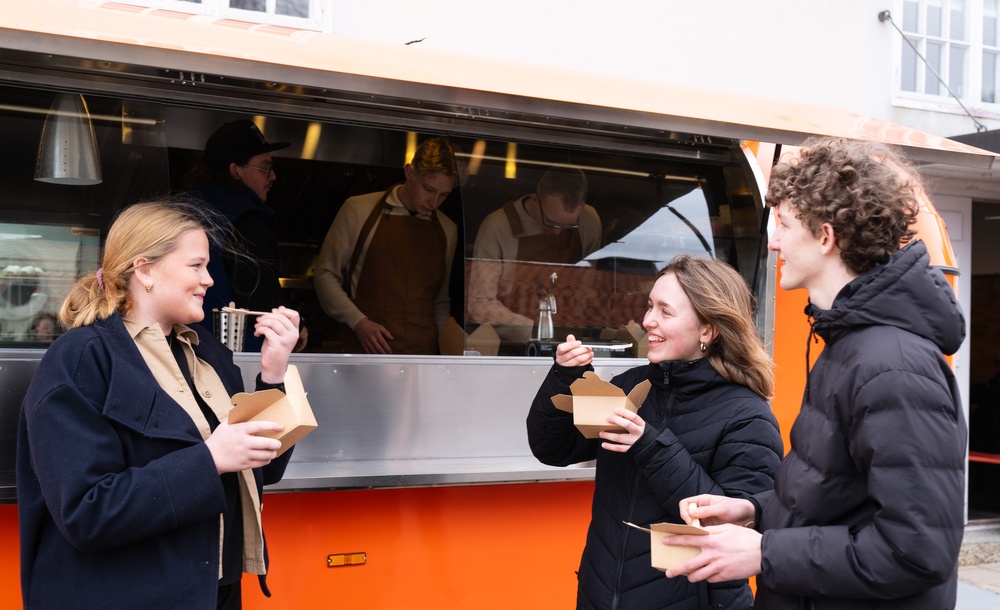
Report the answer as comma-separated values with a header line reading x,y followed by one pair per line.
x,y
703,346
150,287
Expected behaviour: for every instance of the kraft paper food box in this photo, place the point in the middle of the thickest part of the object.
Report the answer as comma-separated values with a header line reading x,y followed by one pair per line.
x,y
665,556
289,408
594,399
453,341
484,340
634,333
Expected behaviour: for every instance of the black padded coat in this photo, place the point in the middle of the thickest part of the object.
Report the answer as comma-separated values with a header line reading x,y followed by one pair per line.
x,y
703,435
867,507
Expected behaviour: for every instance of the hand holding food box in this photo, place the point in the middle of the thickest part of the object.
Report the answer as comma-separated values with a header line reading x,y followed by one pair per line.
x,y
289,408
593,400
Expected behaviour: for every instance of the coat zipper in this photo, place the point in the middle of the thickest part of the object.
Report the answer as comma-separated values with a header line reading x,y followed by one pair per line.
x,y
621,553
635,483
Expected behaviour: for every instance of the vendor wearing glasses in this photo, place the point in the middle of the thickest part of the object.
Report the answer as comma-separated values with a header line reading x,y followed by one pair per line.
x,y
552,225
234,177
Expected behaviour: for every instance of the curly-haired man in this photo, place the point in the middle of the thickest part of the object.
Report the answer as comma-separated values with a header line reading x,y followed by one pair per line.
x,y
867,508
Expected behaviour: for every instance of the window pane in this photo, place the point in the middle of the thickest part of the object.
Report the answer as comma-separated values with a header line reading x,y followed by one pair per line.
x,y
933,55
39,264
934,21
911,14
292,8
956,70
513,285
989,77
249,5
650,207
957,20
990,23
908,71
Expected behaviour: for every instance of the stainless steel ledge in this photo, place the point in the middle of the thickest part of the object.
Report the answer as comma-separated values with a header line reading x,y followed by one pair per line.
x,y
355,474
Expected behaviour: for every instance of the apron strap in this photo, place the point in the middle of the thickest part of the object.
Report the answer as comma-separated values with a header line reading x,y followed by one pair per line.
x,y
366,229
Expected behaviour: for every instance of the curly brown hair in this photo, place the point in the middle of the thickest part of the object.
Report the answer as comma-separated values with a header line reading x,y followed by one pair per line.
x,y
865,190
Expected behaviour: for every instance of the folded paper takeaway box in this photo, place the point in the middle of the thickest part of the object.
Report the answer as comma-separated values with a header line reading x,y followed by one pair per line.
x,y
453,341
594,399
289,408
634,333
665,556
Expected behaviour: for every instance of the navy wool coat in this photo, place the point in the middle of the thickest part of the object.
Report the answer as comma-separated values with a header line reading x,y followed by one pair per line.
x,y
118,496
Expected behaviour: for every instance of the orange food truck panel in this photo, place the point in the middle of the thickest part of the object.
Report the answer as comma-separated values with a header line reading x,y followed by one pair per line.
x,y
480,548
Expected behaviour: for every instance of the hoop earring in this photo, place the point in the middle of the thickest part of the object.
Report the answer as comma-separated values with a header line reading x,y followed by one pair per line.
x,y
703,346
150,287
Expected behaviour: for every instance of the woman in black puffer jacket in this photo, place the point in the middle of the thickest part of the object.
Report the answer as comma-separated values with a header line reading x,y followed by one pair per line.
x,y
705,427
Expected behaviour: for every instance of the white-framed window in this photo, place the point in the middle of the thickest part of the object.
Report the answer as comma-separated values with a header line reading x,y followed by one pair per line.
x,y
991,52
279,12
939,31
960,44
302,14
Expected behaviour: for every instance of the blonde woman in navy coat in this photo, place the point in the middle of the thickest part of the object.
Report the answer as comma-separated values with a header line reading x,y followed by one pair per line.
x,y
133,490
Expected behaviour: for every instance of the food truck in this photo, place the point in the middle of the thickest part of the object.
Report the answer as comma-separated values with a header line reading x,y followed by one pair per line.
x,y
417,489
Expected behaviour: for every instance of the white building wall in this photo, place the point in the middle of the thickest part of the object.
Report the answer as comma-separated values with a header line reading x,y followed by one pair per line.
x,y
834,52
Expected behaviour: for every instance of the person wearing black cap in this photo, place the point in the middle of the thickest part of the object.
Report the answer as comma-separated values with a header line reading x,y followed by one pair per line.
x,y
234,177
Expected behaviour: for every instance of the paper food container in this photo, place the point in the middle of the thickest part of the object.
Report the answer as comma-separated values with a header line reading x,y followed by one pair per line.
x,y
665,556
453,341
290,409
632,333
484,340
594,399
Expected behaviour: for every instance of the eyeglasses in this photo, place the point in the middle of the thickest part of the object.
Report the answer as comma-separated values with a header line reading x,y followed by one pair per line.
x,y
267,171
546,223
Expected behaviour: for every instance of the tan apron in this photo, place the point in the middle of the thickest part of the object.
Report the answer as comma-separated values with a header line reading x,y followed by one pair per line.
x,y
402,275
532,281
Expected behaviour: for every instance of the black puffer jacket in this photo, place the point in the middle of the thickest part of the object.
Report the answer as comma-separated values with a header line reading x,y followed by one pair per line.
x,y
703,435
867,507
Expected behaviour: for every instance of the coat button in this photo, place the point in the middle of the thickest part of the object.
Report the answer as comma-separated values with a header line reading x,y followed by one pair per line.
x,y
208,394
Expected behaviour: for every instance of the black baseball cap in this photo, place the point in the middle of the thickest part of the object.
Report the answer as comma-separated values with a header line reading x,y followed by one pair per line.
x,y
236,142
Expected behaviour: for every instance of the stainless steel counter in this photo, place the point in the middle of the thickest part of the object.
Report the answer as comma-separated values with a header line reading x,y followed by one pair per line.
x,y
402,421
383,421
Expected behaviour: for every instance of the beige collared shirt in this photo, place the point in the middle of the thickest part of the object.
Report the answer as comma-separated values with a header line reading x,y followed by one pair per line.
x,y
156,352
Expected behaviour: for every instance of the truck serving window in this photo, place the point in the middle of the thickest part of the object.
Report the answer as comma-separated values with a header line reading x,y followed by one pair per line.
x,y
528,269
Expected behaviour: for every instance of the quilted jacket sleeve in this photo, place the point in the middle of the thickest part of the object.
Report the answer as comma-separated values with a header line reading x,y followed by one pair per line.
x,y
551,435
907,443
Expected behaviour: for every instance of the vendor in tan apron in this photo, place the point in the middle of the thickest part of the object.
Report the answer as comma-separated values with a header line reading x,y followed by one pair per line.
x,y
402,275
